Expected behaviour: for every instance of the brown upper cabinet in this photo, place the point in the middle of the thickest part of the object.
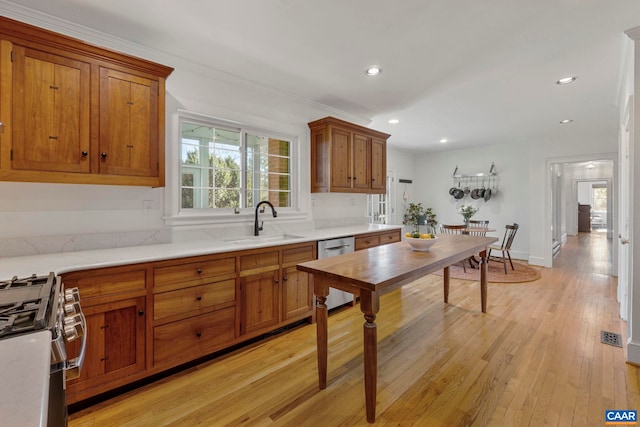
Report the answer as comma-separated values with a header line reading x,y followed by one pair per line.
x,y
347,158
76,113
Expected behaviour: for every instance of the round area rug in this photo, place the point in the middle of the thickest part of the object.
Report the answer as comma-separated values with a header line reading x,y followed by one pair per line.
x,y
522,273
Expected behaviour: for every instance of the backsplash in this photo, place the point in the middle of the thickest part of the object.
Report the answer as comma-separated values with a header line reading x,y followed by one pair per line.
x,y
81,242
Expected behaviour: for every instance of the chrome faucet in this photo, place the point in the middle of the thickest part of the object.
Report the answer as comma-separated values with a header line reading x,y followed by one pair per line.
x,y
256,228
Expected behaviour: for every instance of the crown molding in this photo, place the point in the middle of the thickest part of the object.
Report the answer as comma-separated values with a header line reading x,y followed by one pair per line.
x,y
109,41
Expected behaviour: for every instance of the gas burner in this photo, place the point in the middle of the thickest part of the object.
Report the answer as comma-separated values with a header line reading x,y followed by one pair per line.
x,y
15,282
27,304
6,323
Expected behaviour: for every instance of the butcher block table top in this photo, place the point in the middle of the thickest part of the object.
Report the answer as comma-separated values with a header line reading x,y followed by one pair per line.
x,y
373,272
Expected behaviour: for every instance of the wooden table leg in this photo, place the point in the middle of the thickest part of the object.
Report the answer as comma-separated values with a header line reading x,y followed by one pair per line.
x,y
445,277
369,304
322,314
483,280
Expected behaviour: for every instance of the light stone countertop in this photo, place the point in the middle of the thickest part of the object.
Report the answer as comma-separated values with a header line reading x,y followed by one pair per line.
x,y
65,262
25,367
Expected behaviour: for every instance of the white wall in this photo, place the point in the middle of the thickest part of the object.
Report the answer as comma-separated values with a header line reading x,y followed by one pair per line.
x,y
37,218
510,204
402,162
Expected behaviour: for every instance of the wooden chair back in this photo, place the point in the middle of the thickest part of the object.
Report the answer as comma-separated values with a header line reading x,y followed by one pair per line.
x,y
481,225
478,223
509,234
451,229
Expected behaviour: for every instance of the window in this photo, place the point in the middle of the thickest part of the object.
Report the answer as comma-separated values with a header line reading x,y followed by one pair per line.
x,y
222,167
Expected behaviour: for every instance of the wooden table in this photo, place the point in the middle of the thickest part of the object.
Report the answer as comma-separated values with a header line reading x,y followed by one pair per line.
x,y
376,271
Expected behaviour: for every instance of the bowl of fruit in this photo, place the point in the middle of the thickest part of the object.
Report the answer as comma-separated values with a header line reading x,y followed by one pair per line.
x,y
420,241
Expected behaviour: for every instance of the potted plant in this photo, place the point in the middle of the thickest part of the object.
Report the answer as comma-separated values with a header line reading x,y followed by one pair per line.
x,y
416,215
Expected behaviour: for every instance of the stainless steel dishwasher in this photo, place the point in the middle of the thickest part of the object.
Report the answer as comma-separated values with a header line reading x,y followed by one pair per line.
x,y
335,247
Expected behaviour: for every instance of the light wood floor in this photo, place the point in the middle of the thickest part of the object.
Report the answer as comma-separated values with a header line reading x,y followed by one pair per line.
x,y
534,359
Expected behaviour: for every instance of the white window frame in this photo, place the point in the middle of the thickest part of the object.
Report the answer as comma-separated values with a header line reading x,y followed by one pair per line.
x,y
175,215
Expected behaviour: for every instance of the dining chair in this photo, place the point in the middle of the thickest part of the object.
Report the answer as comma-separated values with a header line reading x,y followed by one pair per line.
x,y
481,225
505,247
451,229
454,229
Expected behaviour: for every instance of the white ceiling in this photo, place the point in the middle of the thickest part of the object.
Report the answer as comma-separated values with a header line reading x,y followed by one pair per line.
x,y
475,72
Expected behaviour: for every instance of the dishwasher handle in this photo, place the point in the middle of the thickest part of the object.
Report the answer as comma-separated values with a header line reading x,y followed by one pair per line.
x,y
337,248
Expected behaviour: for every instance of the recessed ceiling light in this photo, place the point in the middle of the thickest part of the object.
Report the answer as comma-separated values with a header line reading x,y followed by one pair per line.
x,y
444,140
394,121
565,121
566,80
373,70
590,165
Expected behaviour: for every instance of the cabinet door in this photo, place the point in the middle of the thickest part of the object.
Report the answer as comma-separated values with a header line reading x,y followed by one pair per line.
x,y
260,307
297,293
115,344
50,112
340,159
361,159
379,165
128,124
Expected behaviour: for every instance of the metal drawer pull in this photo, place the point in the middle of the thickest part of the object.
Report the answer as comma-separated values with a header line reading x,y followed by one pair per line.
x,y
336,248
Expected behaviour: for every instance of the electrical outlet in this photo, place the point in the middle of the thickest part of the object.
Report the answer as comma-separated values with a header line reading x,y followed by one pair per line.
x,y
147,205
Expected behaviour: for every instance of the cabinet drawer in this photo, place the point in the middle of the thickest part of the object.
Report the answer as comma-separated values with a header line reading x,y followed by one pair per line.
x,y
194,337
259,262
389,237
194,299
368,241
197,273
298,254
101,285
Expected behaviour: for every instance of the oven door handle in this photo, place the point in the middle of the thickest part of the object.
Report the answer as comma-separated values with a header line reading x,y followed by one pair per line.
x,y
74,366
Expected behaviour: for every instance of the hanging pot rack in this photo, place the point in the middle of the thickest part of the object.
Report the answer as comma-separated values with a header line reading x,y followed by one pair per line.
x,y
492,172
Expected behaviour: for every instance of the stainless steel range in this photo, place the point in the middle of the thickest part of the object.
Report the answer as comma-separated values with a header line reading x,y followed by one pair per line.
x,y
32,306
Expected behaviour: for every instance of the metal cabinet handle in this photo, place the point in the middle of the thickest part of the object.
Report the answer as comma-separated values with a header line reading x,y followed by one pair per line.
x,y
84,154
199,298
198,334
623,240
103,155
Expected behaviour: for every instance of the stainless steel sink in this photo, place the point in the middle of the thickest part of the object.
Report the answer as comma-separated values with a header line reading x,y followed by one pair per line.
x,y
255,240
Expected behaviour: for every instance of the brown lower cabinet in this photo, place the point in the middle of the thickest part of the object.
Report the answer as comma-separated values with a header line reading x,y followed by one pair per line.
x,y
370,240
143,319
114,305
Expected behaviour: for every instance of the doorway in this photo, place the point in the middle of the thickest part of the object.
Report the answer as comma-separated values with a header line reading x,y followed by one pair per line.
x,y
381,209
597,176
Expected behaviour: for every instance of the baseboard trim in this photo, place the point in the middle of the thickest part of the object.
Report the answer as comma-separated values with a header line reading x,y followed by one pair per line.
x,y
633,353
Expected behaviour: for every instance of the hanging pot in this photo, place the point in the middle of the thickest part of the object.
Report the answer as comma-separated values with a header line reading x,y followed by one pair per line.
x,y
453,189
458,194
481,191
487,194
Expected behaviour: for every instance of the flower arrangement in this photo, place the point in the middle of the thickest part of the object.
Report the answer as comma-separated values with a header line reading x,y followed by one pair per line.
x,y
467,211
